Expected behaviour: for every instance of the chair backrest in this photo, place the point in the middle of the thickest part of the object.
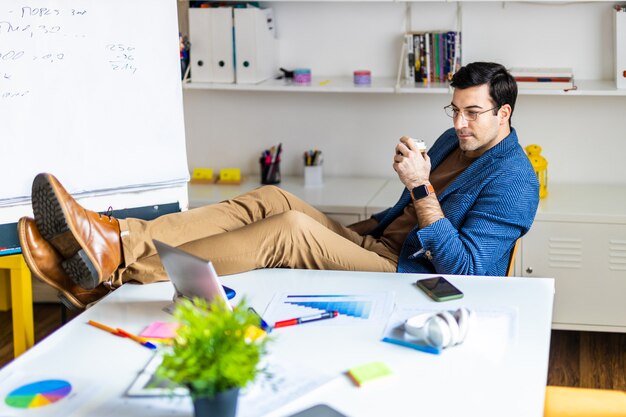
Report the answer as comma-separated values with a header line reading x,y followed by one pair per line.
x,y
509,269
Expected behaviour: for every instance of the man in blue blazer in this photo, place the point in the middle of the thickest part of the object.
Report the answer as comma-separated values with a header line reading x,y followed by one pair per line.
x,y
474,194
465,204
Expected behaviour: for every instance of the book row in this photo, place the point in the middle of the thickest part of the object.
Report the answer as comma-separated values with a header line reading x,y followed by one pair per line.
x,y
543,78
431,56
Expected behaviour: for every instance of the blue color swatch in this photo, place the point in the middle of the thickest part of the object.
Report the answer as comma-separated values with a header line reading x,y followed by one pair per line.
x,y
358,309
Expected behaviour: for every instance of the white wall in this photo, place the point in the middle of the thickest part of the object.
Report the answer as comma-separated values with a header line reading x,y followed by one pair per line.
x,y
583,137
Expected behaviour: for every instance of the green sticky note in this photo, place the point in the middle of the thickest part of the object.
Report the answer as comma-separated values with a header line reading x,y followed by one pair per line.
x,y
368,372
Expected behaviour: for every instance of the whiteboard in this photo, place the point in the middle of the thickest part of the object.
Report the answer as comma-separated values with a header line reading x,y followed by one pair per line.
x,y
90,91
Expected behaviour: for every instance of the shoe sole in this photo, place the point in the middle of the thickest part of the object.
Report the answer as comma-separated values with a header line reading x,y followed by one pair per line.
x,y
52,223
82,271
49,215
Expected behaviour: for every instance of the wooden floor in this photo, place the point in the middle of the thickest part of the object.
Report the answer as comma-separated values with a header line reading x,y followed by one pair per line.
x,y
587,359
47,317
577,359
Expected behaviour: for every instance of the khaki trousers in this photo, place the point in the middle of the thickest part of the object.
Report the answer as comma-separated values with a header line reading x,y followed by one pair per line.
x,y
265,228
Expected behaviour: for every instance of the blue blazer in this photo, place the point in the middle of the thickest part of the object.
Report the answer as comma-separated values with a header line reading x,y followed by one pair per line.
x,y
487,208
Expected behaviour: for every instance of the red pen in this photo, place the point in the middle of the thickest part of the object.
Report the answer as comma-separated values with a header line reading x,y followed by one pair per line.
x,y
307,319
135,338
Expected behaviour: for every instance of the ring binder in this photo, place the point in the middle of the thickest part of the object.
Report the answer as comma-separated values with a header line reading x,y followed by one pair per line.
x,y
256,48
211,55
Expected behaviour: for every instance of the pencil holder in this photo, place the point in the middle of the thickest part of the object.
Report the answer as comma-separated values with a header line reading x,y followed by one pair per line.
x,y
270,173
313,176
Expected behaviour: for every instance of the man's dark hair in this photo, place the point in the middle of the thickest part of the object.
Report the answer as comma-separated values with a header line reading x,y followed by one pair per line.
x,y
502,85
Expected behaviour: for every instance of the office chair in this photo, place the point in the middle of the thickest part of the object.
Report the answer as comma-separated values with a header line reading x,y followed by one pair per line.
x,y
584,402
509,269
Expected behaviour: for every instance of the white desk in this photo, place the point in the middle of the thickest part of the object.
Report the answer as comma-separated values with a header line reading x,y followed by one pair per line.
x,y
460,381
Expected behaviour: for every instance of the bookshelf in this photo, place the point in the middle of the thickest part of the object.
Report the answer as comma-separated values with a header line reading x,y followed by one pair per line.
x,y
335,38
588,52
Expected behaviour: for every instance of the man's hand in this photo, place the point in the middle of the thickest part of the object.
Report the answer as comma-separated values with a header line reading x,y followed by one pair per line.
x,y
413,169
412,166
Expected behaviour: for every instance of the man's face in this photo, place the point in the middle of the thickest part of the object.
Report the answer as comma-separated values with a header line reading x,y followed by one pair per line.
x,y
477,136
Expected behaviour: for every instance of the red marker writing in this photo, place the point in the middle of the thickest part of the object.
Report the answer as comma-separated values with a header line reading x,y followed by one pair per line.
x,y
307,319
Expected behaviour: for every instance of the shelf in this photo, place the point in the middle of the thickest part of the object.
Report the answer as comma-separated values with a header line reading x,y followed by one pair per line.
x,y
585,88
318,85
387,85
432,88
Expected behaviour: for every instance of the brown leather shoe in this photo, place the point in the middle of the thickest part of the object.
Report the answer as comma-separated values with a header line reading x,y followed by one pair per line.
x,y
45,263
88,241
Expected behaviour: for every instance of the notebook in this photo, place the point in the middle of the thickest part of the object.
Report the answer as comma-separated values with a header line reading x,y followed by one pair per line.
x,y
191,276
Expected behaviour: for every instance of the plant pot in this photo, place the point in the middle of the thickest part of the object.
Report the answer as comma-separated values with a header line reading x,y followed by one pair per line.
x,y
223,404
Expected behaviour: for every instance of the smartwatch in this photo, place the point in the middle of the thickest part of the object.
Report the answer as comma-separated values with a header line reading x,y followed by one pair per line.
x,y
422,191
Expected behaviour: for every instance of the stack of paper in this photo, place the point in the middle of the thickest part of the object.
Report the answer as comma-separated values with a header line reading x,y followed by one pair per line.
x,y
543,78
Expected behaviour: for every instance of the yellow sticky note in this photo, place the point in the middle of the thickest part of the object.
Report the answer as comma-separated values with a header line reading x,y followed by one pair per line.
x,y
368,372
202,174
230,174
253,333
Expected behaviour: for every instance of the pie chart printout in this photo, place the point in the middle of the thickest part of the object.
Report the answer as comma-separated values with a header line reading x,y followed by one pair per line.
x,y
38,394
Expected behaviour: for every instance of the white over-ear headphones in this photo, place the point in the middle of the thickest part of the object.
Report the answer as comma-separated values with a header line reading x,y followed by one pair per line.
x,y
442,329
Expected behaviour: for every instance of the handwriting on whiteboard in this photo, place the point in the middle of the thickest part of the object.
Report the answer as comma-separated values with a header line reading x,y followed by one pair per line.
x,y
39,39
122,57
36,21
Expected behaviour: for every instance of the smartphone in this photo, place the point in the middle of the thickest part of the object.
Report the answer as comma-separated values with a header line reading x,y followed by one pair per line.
x,y
319,410
439,289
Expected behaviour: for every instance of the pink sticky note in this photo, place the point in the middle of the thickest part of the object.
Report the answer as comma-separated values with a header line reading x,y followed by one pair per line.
x,y
160,330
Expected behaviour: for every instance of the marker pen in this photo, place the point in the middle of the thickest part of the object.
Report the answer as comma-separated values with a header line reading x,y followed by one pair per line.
x,y
307,319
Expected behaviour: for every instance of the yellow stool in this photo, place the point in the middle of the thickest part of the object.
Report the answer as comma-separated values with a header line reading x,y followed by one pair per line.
x,y
22,300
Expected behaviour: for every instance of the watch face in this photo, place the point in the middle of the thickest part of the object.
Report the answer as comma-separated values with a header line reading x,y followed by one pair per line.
x,y
418,192
422,191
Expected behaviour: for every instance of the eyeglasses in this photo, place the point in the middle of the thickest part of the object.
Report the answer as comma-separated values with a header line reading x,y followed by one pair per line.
x,y
469,115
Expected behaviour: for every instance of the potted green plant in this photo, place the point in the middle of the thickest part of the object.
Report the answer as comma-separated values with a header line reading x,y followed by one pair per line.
x,y
216,352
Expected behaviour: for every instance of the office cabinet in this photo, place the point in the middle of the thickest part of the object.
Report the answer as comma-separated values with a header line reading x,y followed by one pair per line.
x,y
588,261
581,242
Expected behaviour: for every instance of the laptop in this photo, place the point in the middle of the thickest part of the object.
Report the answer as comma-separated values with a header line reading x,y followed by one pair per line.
x,y
191,276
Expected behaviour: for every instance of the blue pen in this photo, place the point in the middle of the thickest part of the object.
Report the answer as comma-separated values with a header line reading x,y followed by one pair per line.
x,y
416,346
263,324
136,338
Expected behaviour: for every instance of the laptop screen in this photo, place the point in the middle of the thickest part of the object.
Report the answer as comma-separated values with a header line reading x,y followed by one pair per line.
x,y
191,276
